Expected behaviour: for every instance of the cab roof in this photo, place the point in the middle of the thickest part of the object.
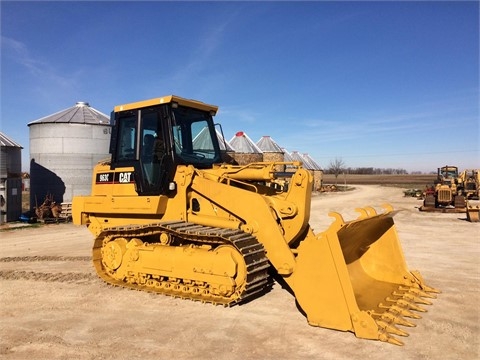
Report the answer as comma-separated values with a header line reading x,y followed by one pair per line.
x,y
165,100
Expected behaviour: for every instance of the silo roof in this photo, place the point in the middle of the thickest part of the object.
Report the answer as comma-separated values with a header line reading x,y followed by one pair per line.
x,y
296,156
81,113
308,162
202,140
224,145
311,163
267,144
241,143
287,156
5,141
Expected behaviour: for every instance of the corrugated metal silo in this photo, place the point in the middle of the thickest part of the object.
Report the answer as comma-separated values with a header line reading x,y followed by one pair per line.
x,y
272,152
11,158
290,158
311,165
10,179
64,148
317,171
246,151
227,151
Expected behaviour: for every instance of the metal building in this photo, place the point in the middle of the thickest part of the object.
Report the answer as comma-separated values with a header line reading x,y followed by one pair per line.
x,y
64,148
10,179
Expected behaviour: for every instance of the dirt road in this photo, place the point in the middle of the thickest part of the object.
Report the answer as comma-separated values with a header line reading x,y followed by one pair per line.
x,y
53,306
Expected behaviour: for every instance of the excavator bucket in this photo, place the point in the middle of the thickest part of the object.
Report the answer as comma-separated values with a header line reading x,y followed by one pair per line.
x,y
353,277
473,213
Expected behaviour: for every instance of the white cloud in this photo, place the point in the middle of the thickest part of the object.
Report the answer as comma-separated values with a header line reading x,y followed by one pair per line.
x,y
41,70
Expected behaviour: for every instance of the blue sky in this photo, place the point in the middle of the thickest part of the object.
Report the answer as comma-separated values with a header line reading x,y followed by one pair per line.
x,y
378,84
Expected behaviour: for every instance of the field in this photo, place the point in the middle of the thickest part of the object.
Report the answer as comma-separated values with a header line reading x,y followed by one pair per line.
x,y
404,181
55,307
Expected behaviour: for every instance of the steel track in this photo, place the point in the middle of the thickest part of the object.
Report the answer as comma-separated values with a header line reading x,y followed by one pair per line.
x,y
256,264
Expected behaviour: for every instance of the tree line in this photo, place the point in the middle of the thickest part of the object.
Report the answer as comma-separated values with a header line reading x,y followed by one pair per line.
x,y
337,166
366,171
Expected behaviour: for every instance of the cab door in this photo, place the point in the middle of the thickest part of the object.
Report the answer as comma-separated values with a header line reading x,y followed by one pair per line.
x,y
139,141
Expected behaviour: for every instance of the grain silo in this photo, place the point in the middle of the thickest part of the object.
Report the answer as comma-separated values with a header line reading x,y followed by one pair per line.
x,y
64,148
317,171
272,152
227,151
10,179
246,151
287,157
312,166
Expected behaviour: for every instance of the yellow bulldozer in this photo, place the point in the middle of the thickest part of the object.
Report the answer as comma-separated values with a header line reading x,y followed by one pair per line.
x,y
170,216
446,193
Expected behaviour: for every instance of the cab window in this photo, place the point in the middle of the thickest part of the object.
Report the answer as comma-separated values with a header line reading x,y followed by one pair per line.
x,y
126,148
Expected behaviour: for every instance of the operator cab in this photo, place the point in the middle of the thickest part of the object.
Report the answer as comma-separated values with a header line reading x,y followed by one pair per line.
x,y
155,136
448,172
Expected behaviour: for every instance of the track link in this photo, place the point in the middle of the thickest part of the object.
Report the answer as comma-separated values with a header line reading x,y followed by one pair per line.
x,y
256,278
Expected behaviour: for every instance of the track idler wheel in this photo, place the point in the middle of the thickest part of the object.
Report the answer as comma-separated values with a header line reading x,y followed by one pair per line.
x,y
112,253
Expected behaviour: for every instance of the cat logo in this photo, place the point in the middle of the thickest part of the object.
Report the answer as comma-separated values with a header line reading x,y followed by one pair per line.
x,y
124,177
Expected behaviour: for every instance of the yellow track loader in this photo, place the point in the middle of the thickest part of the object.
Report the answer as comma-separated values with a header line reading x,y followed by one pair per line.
x,y
170,216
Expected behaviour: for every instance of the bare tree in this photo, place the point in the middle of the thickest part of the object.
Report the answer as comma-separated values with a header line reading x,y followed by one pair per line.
x,y
336,167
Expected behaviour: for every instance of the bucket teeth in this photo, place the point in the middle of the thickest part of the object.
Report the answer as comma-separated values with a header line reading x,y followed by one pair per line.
x,y
400,310
430,289
363,213
417,292
411,305
384,336
393,318
400,304
406,303
387,321
412,297
419,280
401,321
390,328
394,341
366,212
